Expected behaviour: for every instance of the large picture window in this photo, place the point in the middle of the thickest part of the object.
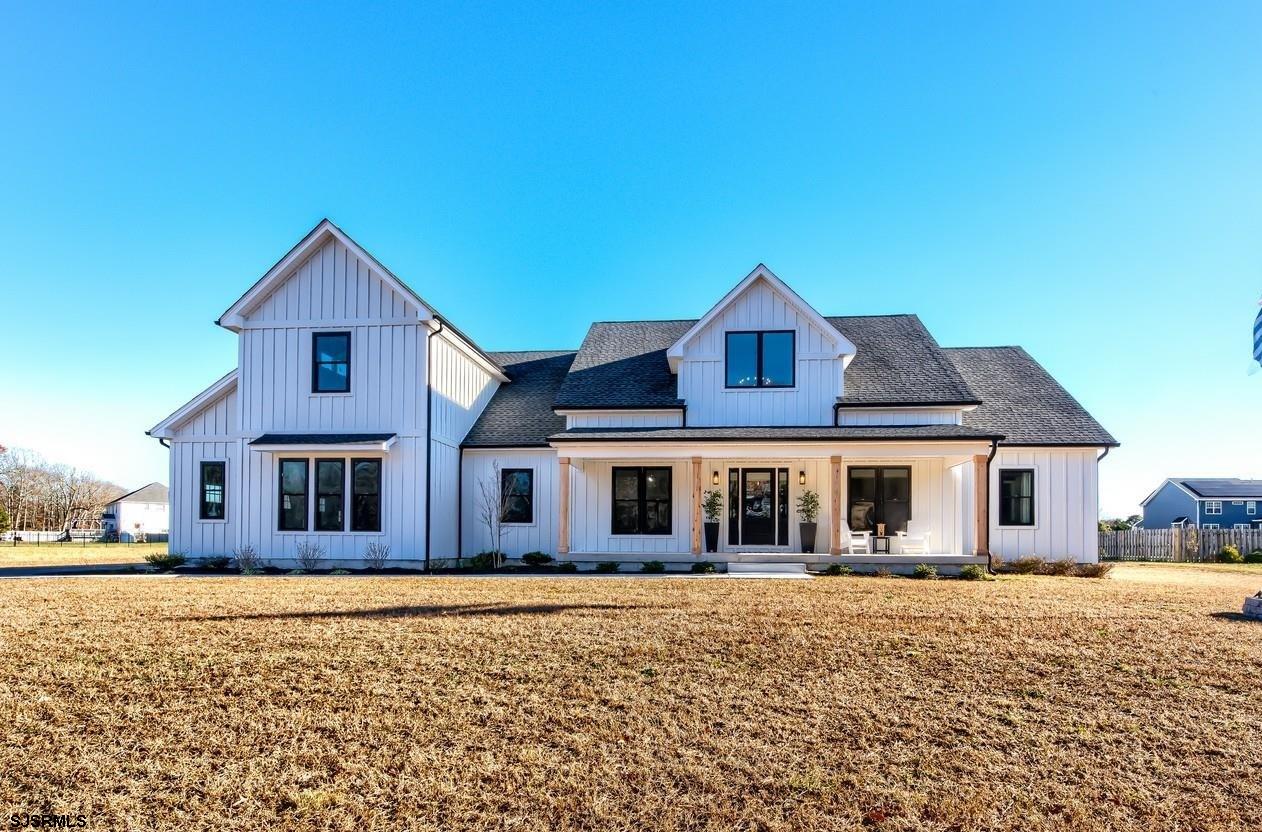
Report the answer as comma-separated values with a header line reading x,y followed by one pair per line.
x,y
213,490
879,495
641,500
366,495
760,359
517,485
330,505
331,362
1016,497
293,495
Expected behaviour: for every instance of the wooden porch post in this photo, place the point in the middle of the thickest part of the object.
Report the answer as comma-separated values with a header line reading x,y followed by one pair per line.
x,y
563,506
696,505
981,505
834,514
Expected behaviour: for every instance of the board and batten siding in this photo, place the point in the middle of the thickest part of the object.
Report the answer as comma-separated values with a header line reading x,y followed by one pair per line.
x,y
519,538
209,435
1066,504
625,419
702,374
462,387
898,416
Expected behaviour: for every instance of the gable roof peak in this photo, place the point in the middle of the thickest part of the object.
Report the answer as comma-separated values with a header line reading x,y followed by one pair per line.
x,y
845,348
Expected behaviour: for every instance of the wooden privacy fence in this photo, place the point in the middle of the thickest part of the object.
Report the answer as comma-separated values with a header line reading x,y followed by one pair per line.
x,y
1176,545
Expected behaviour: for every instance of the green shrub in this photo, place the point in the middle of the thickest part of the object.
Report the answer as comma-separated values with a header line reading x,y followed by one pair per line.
x,y
340,572
1254,557
567,566
607,566
1060,568
484,560
1093,570
837,569
296,572
654,566
218,562
712,505
704,568
536,559
972,572
925,572
1024,566
1230,554
166,561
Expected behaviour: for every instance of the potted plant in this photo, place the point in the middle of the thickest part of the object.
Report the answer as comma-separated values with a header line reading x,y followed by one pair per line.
x,y
808,513
712,505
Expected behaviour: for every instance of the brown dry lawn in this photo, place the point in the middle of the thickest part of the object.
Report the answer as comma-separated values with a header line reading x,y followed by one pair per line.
x,y
847,703
75,554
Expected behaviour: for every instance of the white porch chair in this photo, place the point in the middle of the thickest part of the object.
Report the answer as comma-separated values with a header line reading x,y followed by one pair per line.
x,y
914,541
856,543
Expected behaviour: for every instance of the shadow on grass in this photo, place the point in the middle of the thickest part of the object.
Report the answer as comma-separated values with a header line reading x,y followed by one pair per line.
x,y
415,611
1235,616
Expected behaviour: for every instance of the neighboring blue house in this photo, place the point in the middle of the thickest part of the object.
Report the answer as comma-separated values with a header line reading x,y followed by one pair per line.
x,y
1204,504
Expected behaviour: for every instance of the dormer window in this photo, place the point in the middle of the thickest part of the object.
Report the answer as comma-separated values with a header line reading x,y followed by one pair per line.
x,y
331,362
760,359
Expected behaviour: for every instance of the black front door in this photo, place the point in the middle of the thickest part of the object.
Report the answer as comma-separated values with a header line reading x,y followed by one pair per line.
x,y
758,507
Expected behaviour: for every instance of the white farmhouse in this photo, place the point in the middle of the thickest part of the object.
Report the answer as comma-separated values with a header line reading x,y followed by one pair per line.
x,y
143,512
357,413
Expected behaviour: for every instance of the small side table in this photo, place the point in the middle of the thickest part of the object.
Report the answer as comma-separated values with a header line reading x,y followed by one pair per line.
x,y
880,545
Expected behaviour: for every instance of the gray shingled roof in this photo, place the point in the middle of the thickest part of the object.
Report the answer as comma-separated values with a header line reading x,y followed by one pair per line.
x,y
520,413
154,492
788,434
1021,401
1224,487
898,362
623,364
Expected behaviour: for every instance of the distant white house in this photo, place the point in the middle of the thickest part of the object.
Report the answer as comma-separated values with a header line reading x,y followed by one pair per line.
x,y
144,510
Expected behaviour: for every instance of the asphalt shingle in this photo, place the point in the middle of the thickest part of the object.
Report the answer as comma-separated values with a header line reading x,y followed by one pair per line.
x,y
1021,401
520,413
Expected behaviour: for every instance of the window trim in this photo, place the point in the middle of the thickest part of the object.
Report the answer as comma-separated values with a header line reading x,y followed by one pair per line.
x,y
1034,495
641,500
758,356
530,496
1213,508
315,505
1251,507
381,476
1213,527
201,491
315,364
280,494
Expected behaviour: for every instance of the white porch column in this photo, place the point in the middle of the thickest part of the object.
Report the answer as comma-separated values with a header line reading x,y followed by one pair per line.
x,y
981,506
834,513
563,506
696,505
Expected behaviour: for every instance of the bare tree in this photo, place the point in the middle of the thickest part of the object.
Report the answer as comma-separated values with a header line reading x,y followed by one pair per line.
x,y
493,508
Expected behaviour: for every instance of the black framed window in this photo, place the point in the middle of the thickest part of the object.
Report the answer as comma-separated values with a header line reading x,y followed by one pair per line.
x,y
879,495
365,495
293,496
330,362
213,490
330,507
760,359
518,487
1016,497
641,500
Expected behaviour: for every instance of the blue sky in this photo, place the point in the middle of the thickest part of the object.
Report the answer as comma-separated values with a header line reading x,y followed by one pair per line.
x,y
1085,181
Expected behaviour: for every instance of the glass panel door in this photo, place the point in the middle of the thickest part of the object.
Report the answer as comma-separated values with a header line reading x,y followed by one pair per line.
x,y
879,495
758,520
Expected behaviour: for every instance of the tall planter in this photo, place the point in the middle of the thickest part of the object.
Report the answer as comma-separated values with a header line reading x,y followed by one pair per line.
x,y
711,537
807,532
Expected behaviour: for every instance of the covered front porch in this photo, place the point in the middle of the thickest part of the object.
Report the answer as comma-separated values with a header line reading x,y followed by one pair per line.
x,y
882,504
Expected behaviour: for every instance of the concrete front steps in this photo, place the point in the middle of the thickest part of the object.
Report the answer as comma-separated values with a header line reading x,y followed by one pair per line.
x,y
764,569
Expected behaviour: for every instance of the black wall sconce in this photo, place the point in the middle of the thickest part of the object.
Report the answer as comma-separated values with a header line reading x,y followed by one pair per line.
x,y
714,478
801,478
